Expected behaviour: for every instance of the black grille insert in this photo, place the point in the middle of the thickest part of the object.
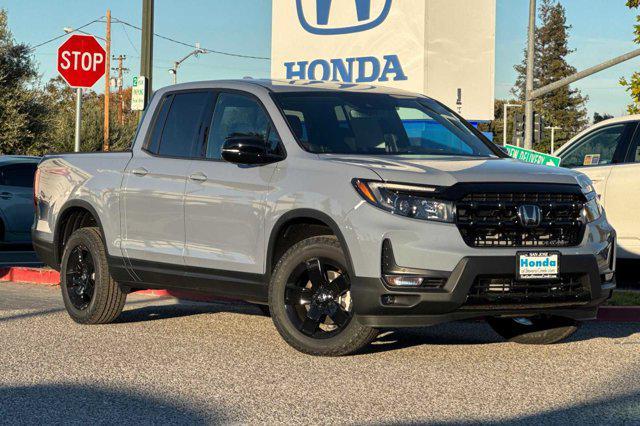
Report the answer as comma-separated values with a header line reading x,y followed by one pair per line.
x,y
491,219
505,290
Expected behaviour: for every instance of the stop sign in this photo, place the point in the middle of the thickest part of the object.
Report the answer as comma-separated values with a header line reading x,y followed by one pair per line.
x,y
81,60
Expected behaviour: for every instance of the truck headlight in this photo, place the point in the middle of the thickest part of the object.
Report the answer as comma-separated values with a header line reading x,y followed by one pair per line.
x,y
413,201
592,210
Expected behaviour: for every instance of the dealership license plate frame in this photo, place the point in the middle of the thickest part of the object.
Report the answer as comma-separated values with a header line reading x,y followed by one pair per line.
x,y
534,277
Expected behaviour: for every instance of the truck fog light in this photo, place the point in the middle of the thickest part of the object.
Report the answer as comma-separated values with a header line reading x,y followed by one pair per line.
x,y
403,280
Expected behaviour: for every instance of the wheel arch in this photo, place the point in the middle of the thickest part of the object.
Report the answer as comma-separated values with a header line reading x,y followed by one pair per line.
x,y
71,209
300,216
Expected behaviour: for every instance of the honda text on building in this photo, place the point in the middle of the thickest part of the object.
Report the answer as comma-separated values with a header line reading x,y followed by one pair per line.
x,y
346,209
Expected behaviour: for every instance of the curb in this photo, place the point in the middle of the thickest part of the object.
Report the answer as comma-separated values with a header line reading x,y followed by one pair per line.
x,y
45,276
50,277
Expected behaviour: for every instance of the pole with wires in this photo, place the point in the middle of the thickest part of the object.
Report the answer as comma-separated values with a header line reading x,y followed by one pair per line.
x,y
107,83
146,56
528,105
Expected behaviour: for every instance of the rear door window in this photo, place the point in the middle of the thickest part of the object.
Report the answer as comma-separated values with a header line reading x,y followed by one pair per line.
x,y
19,175
183,124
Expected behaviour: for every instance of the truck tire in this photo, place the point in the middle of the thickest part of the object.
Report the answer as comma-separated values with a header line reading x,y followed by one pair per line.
x,y
540,330
310,300
90,295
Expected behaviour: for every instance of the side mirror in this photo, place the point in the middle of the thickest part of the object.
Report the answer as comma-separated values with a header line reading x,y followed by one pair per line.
x,y
248,149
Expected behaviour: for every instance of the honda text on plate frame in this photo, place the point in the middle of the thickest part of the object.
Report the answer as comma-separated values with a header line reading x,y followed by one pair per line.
x,y
326,11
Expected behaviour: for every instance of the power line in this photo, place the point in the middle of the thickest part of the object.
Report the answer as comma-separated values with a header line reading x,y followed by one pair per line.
x,y
124,28
64,35
193,46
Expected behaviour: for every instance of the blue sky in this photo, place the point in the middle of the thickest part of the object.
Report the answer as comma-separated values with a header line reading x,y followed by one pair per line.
x,y
601,29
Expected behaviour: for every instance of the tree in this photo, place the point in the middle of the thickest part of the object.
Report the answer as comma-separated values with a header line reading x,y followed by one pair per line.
x,y
564,107
23,111
632,85
597,118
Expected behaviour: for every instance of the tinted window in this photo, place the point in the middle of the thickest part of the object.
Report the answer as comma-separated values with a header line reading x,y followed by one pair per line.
x,y
183,124
18,175
238,115
378,124
596,148
156,133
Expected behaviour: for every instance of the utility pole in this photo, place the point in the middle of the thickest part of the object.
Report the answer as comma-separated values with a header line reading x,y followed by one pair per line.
x,y
107,83
528,106
505,119
553,137
146,56
121,70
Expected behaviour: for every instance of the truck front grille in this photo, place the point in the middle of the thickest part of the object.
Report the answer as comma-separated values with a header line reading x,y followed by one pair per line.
x,y
505,290
491,220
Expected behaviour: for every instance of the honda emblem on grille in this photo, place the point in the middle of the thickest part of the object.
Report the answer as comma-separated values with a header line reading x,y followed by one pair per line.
x,y
530,215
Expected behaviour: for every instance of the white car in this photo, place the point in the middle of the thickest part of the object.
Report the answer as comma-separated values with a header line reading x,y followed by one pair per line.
x,y
609,153
16,198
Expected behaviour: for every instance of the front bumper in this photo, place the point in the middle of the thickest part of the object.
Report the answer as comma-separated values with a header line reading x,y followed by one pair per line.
x,y
378,305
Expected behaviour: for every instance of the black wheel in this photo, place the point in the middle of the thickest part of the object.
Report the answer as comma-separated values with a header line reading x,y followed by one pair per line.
x,y
90,295
310,300
538,330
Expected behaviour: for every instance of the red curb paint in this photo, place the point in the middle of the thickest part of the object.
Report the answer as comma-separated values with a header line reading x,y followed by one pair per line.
x,y
30,275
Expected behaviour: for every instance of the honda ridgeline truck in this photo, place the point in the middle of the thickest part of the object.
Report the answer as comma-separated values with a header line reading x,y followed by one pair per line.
x,y
345,209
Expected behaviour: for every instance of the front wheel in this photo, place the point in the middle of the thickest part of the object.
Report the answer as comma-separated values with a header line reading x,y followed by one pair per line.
x,y
538,330
310,300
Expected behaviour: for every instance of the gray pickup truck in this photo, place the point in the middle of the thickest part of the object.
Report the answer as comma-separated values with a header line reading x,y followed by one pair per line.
x,y
346,209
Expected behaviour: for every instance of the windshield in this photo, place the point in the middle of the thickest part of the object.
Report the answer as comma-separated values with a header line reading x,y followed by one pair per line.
x,y
378,124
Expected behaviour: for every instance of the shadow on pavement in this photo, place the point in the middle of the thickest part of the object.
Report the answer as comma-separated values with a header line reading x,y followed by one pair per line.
x,y
479,333
64,404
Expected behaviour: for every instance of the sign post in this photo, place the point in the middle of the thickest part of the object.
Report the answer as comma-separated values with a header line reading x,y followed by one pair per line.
x,y
81,63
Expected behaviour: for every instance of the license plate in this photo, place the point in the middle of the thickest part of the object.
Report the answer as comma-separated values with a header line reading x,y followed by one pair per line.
x,y
538,265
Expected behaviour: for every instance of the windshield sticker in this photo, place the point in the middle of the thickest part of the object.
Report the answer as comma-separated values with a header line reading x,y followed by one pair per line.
x,y
591,160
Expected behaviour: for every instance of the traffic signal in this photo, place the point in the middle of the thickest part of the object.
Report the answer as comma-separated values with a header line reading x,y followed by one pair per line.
x,y
538,127
518,129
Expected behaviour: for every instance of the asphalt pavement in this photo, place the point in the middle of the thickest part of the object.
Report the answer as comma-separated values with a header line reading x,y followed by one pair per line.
x,y
169,362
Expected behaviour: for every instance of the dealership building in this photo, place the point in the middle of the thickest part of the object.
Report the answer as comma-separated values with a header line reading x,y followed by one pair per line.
x,y
442,48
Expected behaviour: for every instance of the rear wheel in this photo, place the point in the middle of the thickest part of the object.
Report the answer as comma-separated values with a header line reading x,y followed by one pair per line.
x,y
310,300
90,295
538,330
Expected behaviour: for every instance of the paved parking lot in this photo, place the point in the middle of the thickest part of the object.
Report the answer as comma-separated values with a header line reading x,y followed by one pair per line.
x,y
165,362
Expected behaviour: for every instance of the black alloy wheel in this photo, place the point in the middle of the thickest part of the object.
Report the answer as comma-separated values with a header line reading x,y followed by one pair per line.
x,y
81,277
318,299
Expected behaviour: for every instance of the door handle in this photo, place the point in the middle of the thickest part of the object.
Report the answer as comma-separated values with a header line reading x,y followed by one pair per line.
x,y
198,177
140,171
6,195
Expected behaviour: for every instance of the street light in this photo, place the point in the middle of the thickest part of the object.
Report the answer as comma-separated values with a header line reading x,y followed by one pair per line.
x,y
176,64
553,136
506,120
70,30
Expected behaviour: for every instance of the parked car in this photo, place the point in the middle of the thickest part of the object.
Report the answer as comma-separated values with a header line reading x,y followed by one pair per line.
x,y
16,198
345,208
609,153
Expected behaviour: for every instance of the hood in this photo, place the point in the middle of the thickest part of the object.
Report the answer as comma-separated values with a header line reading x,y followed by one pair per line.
x,y
447,171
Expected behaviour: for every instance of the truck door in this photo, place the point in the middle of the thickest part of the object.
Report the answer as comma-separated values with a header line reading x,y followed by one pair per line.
x,y
224,202
155,179
16,201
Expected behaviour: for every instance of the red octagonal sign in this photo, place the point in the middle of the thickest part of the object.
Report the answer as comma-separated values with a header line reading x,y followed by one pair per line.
x,y
81,60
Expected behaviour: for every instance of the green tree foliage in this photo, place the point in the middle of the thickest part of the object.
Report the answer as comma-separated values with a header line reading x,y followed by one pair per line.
x,y
597,117
37,119
23,111
564,107
632,84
